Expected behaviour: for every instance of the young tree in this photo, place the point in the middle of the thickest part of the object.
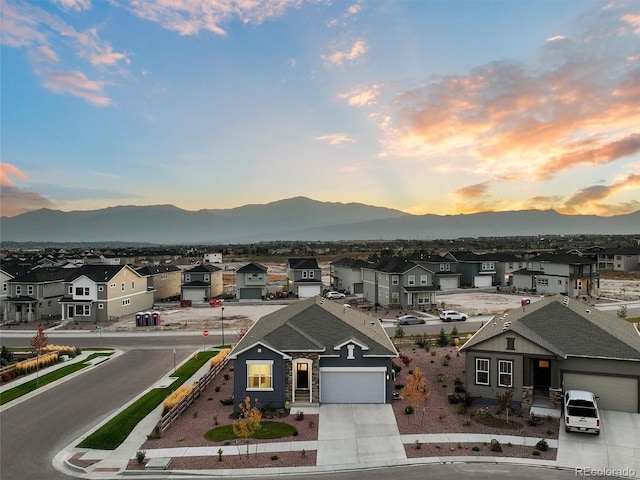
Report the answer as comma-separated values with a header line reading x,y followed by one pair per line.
x,y
248,423
443,338
415,392
38,342
622,312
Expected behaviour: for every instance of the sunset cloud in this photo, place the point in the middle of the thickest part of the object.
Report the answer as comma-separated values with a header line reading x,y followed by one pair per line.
x,y
15,200
592,198
336,139
361,96
190,17
347,55
77,84
7,171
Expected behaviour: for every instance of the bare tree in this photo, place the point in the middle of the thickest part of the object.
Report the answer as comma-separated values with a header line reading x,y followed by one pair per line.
x,y
39,341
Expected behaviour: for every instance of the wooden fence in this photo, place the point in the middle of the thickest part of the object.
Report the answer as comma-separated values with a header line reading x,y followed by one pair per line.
x,y
172,415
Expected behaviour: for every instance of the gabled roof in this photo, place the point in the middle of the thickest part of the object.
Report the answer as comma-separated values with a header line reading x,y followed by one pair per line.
x,y
41,275
97,273
156,269
568,328
468,256
252,268
208,268
317,325
303,263
563,258
350,262
393,265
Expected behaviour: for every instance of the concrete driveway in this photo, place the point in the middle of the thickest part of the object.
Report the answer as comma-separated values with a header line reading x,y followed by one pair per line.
x,y
616,449
358,434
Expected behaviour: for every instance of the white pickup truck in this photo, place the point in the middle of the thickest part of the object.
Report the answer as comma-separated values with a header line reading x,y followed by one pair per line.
x,y
581,412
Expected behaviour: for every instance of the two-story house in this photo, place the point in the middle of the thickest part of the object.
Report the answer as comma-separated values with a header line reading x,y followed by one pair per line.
x,y
399,283
506,264
346,275
99,293
5,276
251,282
163,280
304,277
446,276
619,259
567,274
202,283
476,270
33,296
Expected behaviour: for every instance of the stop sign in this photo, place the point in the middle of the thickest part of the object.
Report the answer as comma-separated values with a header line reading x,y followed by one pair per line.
x,y
205,333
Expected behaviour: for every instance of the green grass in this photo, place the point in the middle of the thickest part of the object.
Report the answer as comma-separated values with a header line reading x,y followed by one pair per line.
x,y
268,430
30,386
116,431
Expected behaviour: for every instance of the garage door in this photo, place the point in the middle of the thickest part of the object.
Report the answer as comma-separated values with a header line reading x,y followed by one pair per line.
x,y
616,393
251,293
482,281
448,283
196,295
307,291
352,385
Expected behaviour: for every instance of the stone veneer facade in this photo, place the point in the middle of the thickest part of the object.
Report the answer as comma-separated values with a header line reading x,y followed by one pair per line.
x,y
527,395
555,398
315,376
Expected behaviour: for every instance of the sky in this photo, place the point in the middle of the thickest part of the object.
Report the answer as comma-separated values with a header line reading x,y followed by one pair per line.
x,y
442,107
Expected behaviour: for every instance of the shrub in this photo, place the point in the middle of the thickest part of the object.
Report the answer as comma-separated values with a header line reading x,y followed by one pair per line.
x,y
140,455
442,340
418,444
542,445
220,454
453,398
475,448
396,368
299,415
536,453
227,401
409,409
6,376
399,386
461,410
274,457
217,389
534,420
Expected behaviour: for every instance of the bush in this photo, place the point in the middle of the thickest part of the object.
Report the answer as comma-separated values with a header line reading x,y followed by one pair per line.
x,y
409,409
475,448
140,455
536,453
226,401
534,420
399,386
299,415
542,445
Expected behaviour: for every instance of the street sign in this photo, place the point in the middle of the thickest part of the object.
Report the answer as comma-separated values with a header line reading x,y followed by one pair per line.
x,y
205,333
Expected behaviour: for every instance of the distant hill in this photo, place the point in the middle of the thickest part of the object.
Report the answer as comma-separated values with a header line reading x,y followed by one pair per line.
x,y
297,218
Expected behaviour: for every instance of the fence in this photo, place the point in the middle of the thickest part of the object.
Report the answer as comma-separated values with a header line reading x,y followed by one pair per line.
x,y
172,415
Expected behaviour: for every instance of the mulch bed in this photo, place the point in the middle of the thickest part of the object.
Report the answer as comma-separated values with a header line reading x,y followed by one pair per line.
x,y
466,449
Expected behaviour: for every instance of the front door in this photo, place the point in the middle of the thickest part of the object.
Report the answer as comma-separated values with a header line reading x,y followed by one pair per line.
x,y
302,376
541,373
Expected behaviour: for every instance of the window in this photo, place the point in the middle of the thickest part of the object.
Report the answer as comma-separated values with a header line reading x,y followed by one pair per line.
x,y
122,287
101,306
82,310
395,280
133,285
206,277
488,265
164,276
187,277
4,287
311,274
411,280
305,274
395,297
29,289
126,301
505,373
113,285
424,279
482,371
511,343
259,374
18,290
101,288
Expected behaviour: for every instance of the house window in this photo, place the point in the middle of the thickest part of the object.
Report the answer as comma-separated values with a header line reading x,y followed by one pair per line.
x,y
4,287
206,278
101,288
511,343
18,290
311,274
395,297
259,374
395,280
488,265
113,285
411,280
133,285
505,373
101,306
187,277
82,310
305,274
30,290
424,279
122,287
482,371
164,276
126,301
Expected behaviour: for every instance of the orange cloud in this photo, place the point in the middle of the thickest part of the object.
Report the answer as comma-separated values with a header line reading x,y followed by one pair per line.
x,y
15,200
340,57
8,170
336,138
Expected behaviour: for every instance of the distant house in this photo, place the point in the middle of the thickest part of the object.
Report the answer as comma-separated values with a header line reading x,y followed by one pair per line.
x,y
33,296
251,282
314,351
100,293
566,274
476,270
304,277
163,280
4,293
212,258
446,276
346,274
552,345
619,259
397,282
202,283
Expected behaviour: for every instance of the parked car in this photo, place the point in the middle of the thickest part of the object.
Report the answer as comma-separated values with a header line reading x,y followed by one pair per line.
x,y
410,320
449,315
333,295
581,412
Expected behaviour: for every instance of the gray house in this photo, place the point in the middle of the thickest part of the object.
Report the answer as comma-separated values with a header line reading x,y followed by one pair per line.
x,y
201,283
304,277
346,275
251,282
476,270
553,345
33,296
397,282
446,276
314,351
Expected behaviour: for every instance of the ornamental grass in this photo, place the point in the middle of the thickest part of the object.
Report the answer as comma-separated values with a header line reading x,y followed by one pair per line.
x,y
177,395
29,366
222,354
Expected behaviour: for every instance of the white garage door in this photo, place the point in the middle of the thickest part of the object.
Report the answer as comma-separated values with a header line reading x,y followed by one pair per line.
x,y
307,291
352,385
482,281
196,295
448,283
616,393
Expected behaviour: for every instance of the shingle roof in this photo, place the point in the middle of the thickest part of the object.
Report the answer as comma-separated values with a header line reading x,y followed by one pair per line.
x,y
252,268
574,329
563,258
351,262
303,263
317,325
41,275
97,273
203,268
156,269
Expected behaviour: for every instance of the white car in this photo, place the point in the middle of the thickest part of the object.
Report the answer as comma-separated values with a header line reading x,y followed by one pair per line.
x,y
334,295
581,412
449,315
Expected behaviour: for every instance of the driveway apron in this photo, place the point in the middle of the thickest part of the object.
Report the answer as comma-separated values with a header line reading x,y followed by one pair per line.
x,y
358,434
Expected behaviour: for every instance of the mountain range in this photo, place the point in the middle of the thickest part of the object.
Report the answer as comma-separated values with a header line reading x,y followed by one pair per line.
x,y
298,218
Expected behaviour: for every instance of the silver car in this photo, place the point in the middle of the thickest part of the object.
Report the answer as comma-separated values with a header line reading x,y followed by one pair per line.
x,y
410,320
